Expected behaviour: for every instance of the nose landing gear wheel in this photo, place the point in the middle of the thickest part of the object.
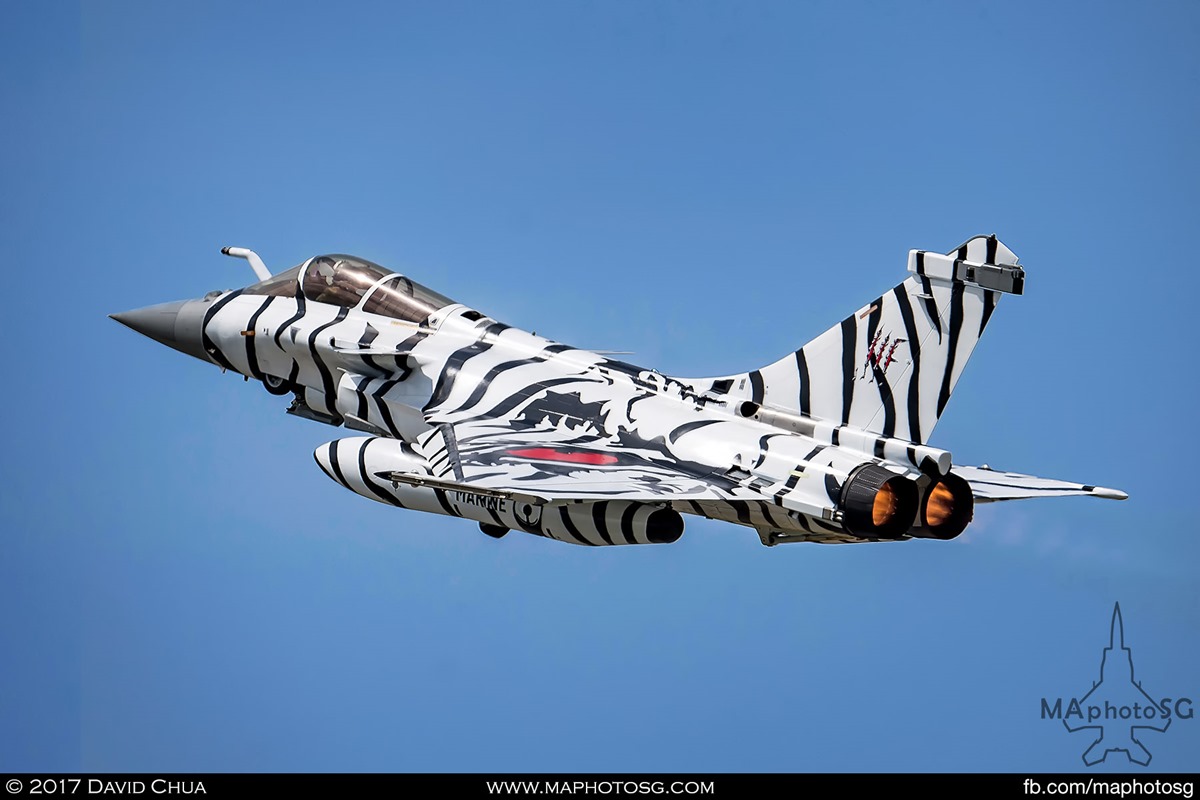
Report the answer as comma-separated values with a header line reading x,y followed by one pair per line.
x,y
278,386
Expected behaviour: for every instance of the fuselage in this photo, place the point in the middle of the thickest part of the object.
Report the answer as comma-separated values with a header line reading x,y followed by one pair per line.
x,y
363,347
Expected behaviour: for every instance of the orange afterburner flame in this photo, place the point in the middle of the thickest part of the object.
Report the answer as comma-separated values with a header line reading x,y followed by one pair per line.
x,y
940,507
884,507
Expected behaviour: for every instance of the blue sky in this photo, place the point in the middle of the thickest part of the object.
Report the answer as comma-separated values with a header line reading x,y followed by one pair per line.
x,y
707,185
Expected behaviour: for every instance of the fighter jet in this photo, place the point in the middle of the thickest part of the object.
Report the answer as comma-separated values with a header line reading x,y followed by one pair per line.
x,y
466,416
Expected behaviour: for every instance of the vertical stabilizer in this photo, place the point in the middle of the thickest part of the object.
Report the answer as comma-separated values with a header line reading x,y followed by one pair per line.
x,y
890,367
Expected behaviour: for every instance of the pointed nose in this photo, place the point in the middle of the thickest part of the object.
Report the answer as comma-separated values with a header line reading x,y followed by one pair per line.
x,y
178,325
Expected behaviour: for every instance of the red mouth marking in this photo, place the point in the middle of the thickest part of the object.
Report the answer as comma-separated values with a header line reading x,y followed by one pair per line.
x,y
546,454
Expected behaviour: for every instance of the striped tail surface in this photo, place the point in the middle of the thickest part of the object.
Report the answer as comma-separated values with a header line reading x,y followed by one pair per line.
x,y
890,367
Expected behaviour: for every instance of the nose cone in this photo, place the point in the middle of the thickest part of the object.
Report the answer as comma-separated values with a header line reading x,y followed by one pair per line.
x,y
178,325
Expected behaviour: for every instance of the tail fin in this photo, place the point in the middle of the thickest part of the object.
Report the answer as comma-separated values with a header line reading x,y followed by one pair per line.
x,y
889,368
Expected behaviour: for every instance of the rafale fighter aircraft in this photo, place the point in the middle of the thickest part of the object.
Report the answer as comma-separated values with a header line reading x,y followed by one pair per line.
x,y
466,416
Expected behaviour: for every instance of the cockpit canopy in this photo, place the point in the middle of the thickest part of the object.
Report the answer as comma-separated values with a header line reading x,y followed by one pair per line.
x,y
349,281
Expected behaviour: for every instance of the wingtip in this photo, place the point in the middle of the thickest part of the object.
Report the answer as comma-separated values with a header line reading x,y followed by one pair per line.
x,y
1110,494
